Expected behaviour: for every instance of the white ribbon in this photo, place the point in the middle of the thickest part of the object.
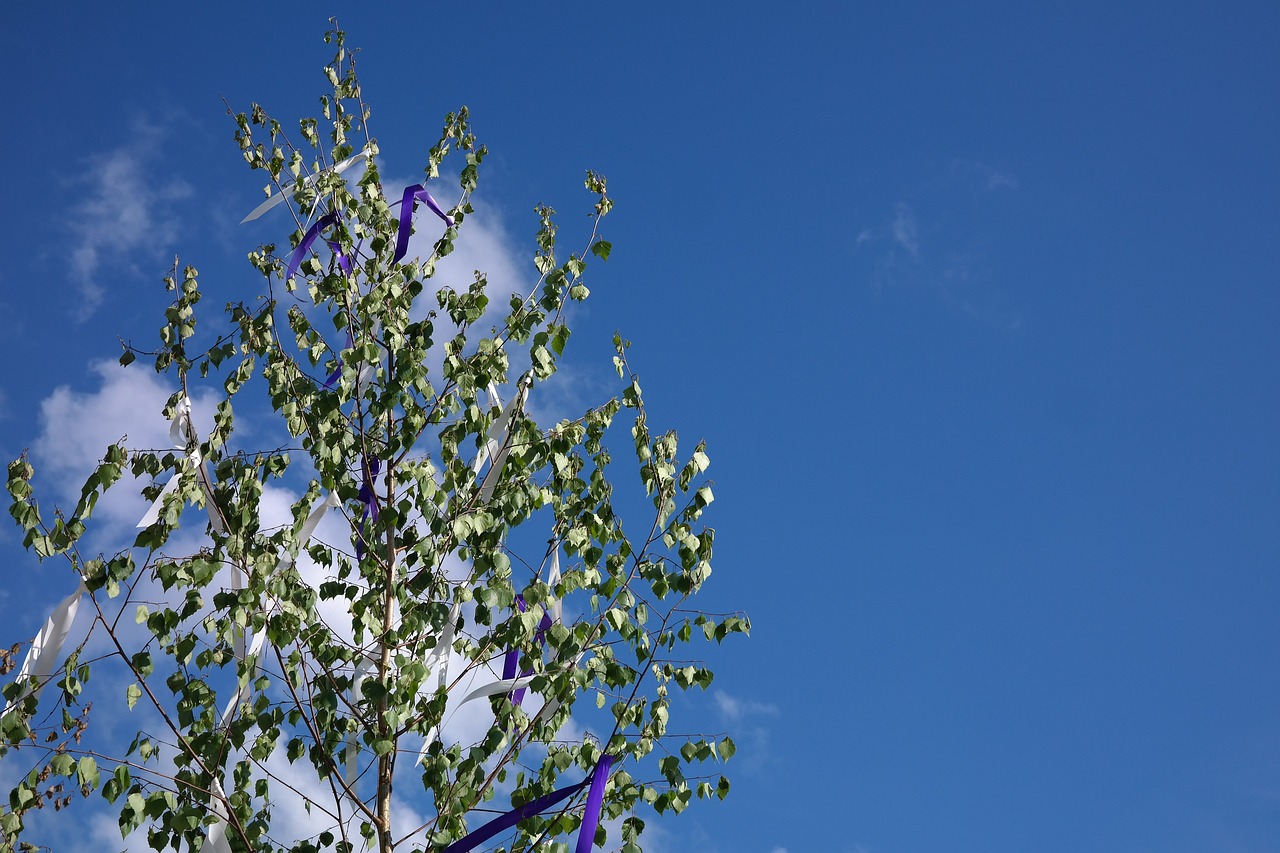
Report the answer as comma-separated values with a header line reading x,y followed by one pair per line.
x,y
349,741
216,841
502,685
309,526
255,648
47,645
292,189
553,578
183,435
438,662
490,447
501,435
238,575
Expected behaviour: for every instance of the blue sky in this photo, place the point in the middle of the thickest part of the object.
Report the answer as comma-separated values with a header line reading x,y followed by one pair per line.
x,y
975,304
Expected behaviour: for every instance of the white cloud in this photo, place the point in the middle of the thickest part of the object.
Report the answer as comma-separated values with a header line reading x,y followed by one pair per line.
x,y
122,212
903,228
77,426
483,244
735,709
988,177
750,723
953,265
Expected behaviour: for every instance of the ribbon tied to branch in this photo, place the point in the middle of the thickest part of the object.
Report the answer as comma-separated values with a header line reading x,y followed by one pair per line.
x,y
183,435
292,190
408,201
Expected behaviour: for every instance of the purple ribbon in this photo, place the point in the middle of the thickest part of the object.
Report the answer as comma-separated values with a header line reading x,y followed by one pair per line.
x,y
337,371
512,659
310,237
595,801
409,201
590,816
369,499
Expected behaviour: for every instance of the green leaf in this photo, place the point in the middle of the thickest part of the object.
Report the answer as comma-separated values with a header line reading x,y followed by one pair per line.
x,y
62,764
87,771
117,784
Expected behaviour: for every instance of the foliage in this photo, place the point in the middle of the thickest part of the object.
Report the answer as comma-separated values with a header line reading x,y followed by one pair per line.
x,y
441,484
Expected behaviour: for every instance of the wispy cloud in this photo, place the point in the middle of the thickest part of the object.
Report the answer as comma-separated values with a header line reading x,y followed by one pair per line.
x,y
750,722
903,229
988,178
939,243
124,213
76,427
734,708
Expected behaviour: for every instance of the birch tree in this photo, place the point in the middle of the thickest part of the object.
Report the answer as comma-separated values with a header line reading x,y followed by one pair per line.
x,y
483,567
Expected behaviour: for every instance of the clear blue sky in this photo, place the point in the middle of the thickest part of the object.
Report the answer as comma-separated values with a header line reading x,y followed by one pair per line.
x,y
976,305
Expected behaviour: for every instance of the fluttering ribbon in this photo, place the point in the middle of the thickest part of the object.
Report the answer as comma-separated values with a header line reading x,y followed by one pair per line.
x,y
510,682
47,645
408,201
292,190
438,662
501,435
553,578
369,499
216,841
590,813
595,802
556,609
255,649
312,234
308,529
183,435
512,660
490,447
349,740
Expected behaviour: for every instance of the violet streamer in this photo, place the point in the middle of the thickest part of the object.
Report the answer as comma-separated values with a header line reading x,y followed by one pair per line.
x,y
590,817
369,499
512,659
412,194
337,371
595,801
307,239
313,233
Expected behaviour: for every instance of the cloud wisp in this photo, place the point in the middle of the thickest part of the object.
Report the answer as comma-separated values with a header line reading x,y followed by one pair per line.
x,y
903,229
121,213
939,245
